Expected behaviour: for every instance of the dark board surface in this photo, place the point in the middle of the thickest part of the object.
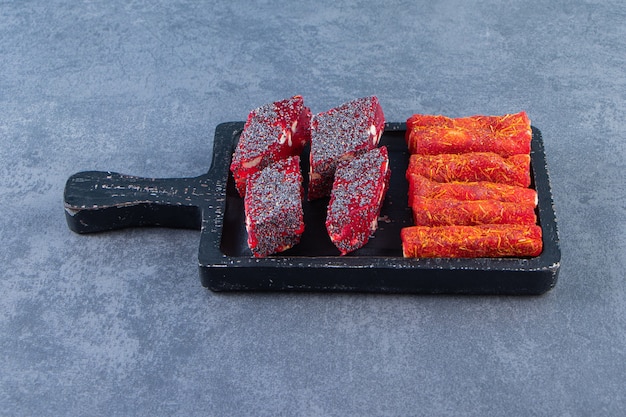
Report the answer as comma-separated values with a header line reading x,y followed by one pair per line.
x,y
314,264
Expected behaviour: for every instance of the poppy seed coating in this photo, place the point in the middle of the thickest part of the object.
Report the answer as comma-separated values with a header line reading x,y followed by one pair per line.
x,y
273,207
272,132
357,195
340,134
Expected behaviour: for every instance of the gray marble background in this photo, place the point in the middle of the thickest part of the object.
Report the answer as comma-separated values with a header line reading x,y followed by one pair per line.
x,y
117,324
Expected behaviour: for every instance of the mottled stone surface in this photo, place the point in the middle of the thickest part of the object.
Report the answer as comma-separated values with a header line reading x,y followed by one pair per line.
x,y
117,323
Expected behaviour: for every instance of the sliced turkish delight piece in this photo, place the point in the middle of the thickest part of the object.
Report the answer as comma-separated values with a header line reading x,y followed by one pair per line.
x,y
357,195
272,132
273,207
340,134
483,241
472,167
420,186
505,135
443,212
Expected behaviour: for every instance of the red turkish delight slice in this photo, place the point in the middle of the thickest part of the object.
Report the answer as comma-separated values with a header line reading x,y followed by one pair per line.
x,y
471,167
273,207
340,134
357,195
272,132
493,240
505,135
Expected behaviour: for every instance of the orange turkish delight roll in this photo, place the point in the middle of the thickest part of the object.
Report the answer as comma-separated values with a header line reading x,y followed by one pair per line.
x,y
484,241
420,186
506,135
471,167
442,212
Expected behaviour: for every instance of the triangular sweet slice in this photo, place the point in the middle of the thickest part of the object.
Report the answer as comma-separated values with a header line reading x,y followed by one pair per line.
x,y
273,207
340,134
272,132
357,196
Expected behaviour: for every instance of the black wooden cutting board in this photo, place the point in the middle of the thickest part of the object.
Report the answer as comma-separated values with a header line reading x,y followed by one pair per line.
x,y
99,201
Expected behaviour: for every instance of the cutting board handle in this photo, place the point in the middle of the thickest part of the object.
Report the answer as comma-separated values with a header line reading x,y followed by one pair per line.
x,y
97,201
